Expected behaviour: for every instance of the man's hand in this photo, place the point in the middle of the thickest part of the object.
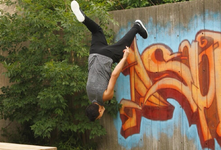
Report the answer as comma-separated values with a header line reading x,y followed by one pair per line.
x,y
126,52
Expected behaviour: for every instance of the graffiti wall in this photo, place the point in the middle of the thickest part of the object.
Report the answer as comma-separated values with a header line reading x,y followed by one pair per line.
x,y
170,89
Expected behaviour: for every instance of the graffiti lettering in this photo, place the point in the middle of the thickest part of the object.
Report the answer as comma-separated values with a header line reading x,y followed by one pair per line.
x,y
192,77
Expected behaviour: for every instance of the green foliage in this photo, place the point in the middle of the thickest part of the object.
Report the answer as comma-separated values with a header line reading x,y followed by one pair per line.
x,y
46,63
112,107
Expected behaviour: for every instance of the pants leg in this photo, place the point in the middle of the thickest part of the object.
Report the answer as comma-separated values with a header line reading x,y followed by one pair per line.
x,y
117,48
99,44
98,38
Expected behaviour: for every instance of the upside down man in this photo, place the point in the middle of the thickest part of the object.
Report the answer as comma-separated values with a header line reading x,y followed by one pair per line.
x,y
101,80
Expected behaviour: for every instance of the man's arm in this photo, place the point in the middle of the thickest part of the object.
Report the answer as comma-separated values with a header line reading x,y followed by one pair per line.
x,y
109,92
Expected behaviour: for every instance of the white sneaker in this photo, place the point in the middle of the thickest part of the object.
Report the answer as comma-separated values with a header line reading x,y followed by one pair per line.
x,y
76,10
142,31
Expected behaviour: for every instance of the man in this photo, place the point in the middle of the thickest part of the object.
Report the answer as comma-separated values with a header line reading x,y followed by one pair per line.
x,y
101,82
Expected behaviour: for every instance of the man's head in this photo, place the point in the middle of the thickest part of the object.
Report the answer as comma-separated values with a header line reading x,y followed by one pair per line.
x,y
95,111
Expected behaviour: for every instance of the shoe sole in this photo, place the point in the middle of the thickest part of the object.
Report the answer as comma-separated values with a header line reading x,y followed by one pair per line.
x,y
142,26
76,10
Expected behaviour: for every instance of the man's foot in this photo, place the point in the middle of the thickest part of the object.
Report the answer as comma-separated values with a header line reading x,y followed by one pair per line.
x,y
76,10
142,30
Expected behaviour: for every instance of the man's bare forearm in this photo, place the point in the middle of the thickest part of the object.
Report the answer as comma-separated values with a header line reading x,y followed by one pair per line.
x,y
117,70
109,92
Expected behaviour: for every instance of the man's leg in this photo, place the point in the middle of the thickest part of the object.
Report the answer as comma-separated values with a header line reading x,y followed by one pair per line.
x,y
99,44
98,38
128,38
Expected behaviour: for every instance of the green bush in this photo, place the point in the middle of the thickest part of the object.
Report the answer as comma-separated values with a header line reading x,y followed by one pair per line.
x,y
46,63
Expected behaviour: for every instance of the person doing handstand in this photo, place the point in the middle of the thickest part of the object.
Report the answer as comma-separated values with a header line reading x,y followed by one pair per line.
x,y
101,80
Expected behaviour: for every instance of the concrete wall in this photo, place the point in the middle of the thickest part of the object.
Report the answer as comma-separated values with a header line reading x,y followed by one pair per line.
x,y
170,90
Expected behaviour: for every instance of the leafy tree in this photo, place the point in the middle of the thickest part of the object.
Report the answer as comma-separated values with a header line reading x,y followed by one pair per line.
x,y
46,63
